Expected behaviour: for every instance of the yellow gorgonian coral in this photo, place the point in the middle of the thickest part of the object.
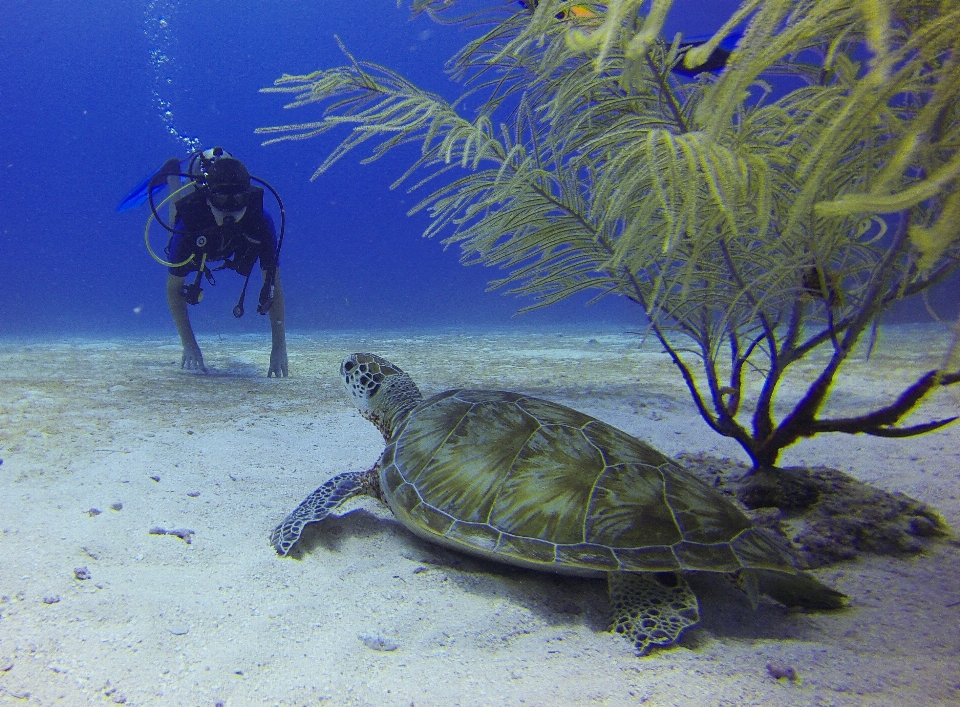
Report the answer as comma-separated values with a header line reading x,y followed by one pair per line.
x,y
757,213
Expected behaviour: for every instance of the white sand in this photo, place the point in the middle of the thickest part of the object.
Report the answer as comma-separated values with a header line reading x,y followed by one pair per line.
x,y
85,424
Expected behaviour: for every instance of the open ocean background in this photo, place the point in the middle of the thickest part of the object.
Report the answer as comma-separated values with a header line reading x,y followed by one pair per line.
x,y
80,125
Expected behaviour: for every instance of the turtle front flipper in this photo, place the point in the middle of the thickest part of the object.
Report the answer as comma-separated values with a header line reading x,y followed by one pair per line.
x,y
320,503
651,610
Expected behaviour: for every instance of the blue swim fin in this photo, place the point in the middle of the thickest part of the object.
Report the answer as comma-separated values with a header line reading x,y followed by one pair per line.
x,y
138,194
729,43
154,184
717,60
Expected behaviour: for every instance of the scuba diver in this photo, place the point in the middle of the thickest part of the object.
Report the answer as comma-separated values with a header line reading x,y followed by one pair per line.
x,y
216,215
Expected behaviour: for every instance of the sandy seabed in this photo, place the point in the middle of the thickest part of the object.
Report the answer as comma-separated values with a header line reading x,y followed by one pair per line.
x,y
94,609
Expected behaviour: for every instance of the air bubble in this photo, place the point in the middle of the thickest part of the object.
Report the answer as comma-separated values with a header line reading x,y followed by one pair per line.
x,y
159,18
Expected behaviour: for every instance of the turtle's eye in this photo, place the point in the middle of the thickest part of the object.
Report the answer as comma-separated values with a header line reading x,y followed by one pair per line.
x,y
349,366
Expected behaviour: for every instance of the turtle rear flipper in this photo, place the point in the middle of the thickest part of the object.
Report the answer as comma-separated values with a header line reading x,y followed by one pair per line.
x,y
651,610
798,589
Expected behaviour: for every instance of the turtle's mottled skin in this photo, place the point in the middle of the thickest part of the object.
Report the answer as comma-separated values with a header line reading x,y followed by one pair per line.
x,y
532,483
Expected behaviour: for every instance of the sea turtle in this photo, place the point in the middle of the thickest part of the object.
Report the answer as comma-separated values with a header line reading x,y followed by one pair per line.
x,y
517,479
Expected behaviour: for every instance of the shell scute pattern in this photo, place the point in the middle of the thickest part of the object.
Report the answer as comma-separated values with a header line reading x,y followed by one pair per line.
x,y
417,443
760,550
702,515
454,452
492,470
539,497
480,535
596,557
551,413
618,447
529,549
624,493
648,559
716,557
428,516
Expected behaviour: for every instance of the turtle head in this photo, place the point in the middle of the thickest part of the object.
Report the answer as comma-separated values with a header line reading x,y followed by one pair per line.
x,y
381,391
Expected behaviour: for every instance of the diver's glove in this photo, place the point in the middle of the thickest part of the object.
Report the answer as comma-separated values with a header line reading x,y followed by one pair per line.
x,y
266,296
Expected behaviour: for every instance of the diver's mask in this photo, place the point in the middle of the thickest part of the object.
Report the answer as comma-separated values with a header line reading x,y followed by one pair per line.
x,y
228,216
227,200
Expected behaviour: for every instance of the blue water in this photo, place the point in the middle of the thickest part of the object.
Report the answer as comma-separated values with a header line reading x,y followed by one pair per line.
x,y
80,126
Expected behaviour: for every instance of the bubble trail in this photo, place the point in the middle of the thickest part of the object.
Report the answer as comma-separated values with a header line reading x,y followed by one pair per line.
x,y
158,18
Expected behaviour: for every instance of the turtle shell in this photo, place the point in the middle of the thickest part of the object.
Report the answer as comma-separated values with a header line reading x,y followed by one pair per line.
x,y
529,482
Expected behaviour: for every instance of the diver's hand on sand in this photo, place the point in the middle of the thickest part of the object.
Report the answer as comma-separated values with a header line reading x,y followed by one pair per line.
x,y
278,363
192,360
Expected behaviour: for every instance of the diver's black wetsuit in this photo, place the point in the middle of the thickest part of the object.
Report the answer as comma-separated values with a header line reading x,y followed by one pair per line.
x,y
239,244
